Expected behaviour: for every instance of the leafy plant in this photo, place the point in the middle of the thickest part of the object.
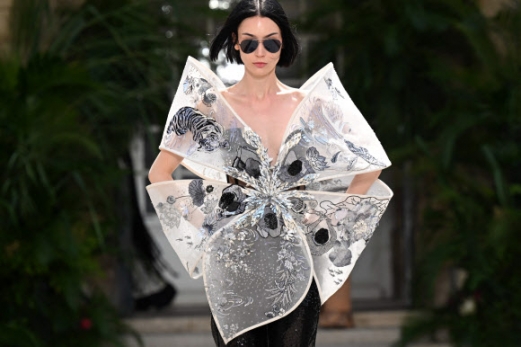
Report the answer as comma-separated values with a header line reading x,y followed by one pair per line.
x,y
77,83
441,85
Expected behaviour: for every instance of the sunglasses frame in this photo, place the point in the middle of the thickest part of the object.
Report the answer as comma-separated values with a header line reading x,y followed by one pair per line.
x,y
247,42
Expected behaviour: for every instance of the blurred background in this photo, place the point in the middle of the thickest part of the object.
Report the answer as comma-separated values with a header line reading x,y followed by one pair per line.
x,y
85,89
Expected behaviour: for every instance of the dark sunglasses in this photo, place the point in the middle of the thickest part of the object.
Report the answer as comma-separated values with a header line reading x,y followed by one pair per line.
x,y
271,45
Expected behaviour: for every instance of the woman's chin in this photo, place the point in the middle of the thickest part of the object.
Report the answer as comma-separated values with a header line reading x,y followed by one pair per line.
x,y
257,71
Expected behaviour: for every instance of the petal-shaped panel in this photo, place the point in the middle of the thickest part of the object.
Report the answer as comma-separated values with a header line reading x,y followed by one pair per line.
x,y
337,227
190,211
335,139
252,279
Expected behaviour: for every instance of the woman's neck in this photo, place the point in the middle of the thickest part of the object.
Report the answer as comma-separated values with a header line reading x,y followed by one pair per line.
x,y
259,87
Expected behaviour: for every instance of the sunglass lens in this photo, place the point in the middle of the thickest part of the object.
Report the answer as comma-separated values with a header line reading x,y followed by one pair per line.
x,y
272,46
249,46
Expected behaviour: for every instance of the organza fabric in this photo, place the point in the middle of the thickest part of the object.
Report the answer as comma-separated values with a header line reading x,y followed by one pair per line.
x,y
260,246
298,329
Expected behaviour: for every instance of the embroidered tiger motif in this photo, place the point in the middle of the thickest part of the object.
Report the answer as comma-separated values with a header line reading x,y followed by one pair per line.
x,y
205,131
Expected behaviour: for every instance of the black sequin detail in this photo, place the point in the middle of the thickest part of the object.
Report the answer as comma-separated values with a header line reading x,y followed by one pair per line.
x,y
209,189
228,202
252,168
271,220
298,329
295,168
322,236
238,164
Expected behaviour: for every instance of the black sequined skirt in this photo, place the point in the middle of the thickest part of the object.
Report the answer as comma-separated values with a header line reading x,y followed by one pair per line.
x,y
298,329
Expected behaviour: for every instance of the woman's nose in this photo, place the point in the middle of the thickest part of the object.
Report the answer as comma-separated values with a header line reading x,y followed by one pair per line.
x,y
260,51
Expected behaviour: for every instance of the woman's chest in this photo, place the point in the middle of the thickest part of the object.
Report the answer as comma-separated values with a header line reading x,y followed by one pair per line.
x,y
269,123
269,120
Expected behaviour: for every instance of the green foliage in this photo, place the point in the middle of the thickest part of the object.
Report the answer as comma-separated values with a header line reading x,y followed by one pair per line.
x,y
440,83
48,207
78,83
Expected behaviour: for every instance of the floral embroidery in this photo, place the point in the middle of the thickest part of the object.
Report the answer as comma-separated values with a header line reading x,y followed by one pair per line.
x,y
289,267
232,201
341,254
210,204
321,235
301,161
169,216
197,192
359,217
233,256
270,224
246,160
316,161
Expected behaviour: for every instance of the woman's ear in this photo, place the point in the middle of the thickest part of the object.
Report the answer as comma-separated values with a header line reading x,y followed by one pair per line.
x,y
236,44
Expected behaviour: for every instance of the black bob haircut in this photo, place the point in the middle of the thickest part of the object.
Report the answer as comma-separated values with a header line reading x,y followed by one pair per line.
x,y
249,8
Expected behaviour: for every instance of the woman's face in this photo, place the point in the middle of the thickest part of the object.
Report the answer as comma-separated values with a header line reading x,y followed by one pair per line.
x,y
260,62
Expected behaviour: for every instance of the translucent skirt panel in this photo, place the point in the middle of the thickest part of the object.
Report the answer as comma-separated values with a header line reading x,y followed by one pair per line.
x,y
298,329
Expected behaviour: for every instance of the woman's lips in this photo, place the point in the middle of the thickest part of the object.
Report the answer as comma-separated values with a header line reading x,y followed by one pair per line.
x,y
260,64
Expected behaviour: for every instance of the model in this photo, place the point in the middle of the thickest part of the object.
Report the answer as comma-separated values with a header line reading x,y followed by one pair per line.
x,y
270,227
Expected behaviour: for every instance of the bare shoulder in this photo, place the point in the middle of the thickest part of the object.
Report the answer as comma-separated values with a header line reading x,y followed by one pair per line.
x,y
231,91
231,96
225,92
293,95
